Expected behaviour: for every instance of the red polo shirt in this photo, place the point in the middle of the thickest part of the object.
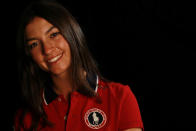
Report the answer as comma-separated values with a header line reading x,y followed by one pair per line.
x,y
118,110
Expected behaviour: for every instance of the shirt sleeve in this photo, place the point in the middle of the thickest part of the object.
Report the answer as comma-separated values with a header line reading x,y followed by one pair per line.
x,y
130,116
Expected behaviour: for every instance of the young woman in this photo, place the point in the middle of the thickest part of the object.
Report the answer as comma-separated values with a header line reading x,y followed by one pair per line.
x,y
62,88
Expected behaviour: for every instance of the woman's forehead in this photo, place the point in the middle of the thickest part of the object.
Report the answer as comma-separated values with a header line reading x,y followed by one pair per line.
x,y
38,26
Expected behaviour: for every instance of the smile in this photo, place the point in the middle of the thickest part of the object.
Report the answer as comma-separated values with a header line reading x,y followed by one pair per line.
x,y
55,58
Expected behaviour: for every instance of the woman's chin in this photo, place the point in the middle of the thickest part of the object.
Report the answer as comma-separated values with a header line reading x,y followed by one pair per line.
x,y
59,72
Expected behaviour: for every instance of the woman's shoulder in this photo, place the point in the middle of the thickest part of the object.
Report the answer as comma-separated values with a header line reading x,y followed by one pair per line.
x,y
21,115
117,89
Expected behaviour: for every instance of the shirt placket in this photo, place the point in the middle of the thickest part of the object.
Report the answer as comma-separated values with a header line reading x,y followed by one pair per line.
x,y
62,109
72,107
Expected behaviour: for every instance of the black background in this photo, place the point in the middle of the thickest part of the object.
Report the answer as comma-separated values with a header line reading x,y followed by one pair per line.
x,y
147,44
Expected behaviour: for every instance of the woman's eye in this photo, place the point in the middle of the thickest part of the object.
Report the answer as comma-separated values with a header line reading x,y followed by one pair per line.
x,y
54,34
32,45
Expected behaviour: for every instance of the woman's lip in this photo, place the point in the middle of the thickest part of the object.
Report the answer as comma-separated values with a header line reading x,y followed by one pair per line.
x,y
55,59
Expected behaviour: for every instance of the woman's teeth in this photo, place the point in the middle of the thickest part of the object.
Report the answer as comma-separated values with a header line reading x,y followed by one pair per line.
x,y
54,59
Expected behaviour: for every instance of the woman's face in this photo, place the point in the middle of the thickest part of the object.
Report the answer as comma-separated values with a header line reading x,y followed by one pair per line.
x,y
48,48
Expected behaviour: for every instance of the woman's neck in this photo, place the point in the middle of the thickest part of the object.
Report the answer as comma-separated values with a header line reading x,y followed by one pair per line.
x,y
63,84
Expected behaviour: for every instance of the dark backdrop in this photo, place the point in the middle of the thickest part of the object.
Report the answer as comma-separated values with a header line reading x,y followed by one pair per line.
x,y
149,45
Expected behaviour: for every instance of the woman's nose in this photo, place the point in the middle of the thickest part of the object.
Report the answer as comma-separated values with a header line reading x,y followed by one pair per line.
x,y
47,47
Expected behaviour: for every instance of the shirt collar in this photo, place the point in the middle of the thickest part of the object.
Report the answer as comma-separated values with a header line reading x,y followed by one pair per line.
x,y
49,95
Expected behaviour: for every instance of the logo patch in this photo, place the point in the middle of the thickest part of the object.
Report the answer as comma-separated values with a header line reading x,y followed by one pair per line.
x,y
95,118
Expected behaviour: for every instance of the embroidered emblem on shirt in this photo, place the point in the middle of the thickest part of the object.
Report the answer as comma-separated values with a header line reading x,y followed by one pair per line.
x,y
95,118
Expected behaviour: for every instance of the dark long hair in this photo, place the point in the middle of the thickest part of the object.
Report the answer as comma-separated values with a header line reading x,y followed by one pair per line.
x,y
33,79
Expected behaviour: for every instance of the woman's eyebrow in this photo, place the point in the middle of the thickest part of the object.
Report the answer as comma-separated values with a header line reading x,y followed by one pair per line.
x,y
31,39
50,29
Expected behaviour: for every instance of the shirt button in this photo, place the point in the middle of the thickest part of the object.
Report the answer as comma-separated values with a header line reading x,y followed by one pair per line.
x,y
59,99
65,117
